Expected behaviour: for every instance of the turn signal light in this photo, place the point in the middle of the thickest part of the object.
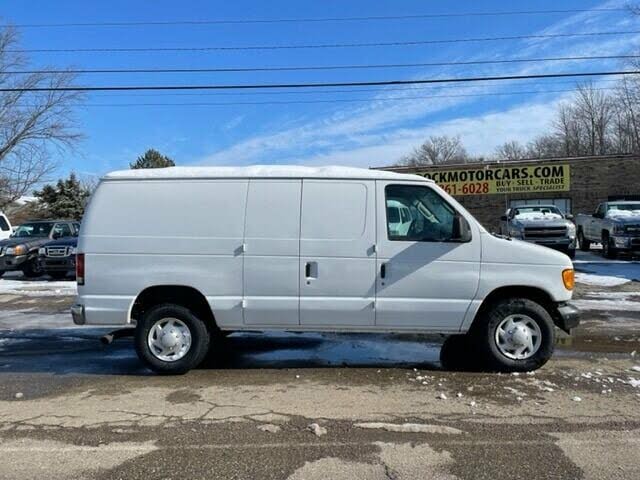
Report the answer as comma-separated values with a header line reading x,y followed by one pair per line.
x,y
568,278
80,268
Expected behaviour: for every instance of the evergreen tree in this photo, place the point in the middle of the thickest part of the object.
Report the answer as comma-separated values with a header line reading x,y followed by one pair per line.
x,y
152,159
66,199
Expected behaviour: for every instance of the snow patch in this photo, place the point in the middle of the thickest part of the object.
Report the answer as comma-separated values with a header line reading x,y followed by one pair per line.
x,y
410,427
538,216
261,171
600,280
38,288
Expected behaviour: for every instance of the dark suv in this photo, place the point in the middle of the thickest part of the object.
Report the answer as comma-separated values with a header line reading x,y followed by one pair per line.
x,y
58,257
20,251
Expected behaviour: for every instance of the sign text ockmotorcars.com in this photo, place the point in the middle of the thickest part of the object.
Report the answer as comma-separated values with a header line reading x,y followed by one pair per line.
x,y
498,179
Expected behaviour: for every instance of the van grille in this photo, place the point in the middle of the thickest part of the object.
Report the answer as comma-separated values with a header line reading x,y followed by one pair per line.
x,y
545,232
57,251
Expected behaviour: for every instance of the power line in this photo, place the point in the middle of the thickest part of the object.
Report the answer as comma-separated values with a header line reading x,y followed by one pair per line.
x,y
118,88
317,20
318,67
337,100
320,45
409,88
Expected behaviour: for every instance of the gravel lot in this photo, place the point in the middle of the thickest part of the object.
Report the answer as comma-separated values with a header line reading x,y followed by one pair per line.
x,y
382,405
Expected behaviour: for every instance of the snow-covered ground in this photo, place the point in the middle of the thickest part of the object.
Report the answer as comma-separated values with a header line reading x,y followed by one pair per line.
x,y
593,269
14,283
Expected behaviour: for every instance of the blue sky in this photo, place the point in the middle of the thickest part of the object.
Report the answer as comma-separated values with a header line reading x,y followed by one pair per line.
x,y
369,132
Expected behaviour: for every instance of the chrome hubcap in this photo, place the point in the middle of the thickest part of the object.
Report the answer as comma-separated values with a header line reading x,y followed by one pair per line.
x,y
518,337
169,339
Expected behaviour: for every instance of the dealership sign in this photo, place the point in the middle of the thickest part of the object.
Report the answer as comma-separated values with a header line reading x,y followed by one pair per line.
x,y
498,179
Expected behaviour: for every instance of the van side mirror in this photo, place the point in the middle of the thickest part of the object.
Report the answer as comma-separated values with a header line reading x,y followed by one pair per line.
x,y
568,216
504,218
56,235
461,229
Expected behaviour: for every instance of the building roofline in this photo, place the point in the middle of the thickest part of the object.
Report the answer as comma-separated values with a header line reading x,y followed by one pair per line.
x,y
402,168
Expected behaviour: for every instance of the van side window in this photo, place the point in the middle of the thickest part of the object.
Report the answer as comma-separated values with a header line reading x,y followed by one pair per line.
x,y
428,217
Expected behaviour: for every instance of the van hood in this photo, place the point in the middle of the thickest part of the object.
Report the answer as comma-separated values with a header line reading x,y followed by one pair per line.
x,y
499,249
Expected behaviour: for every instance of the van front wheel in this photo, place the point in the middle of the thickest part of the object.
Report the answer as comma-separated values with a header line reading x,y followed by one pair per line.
x,y
170,339
516,335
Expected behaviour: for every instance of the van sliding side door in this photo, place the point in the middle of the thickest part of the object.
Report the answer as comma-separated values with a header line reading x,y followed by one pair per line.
x,y
337,253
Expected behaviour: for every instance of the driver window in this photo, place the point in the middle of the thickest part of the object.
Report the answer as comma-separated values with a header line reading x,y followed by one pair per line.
x,y
61,230
429,218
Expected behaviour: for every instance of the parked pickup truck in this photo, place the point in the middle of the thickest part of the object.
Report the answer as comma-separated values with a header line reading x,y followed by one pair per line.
x,y
58,257
616,225
542,224
20,250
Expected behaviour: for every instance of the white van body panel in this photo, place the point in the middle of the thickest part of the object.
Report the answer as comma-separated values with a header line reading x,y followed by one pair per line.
x,y
163,235
272,253
293,249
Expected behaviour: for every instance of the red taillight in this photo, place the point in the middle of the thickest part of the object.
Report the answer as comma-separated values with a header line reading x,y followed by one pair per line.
x,y
80,268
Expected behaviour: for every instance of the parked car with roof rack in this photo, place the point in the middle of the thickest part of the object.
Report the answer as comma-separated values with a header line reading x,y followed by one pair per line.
x,y
58,257
541,224
20,250
616,225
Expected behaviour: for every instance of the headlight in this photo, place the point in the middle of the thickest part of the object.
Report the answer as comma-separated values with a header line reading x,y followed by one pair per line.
x,y
41,251
73,251
618,229
515,233
17,250
571,230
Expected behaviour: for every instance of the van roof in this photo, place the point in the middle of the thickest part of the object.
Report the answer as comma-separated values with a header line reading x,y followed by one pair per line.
x,y
261,171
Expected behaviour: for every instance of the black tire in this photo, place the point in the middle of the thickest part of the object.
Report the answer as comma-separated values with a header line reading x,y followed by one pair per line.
x,y
458,354
608,251
485,332
200,339
583,243
32,269
58,275
571,253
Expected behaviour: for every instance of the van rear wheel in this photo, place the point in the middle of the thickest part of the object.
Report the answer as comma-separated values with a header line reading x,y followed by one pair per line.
x,y
171,340
516,335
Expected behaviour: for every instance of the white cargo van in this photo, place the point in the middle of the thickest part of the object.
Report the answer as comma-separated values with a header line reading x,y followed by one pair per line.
x,y
187,254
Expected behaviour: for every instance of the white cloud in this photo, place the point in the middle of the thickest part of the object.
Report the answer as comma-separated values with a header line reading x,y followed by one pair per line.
x,y
380,132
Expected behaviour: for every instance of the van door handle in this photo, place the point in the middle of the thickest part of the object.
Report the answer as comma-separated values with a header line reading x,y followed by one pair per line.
x,y
311,270
383,270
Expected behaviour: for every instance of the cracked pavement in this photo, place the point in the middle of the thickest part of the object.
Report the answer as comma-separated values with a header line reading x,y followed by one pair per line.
x,y
71,407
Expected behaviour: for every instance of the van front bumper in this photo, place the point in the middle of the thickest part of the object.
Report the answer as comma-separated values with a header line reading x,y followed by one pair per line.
x,y
77,313
567,317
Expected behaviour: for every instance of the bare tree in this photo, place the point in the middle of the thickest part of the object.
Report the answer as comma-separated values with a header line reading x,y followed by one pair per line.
x,y
437,150
511,151
32,123
584,125
545,146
